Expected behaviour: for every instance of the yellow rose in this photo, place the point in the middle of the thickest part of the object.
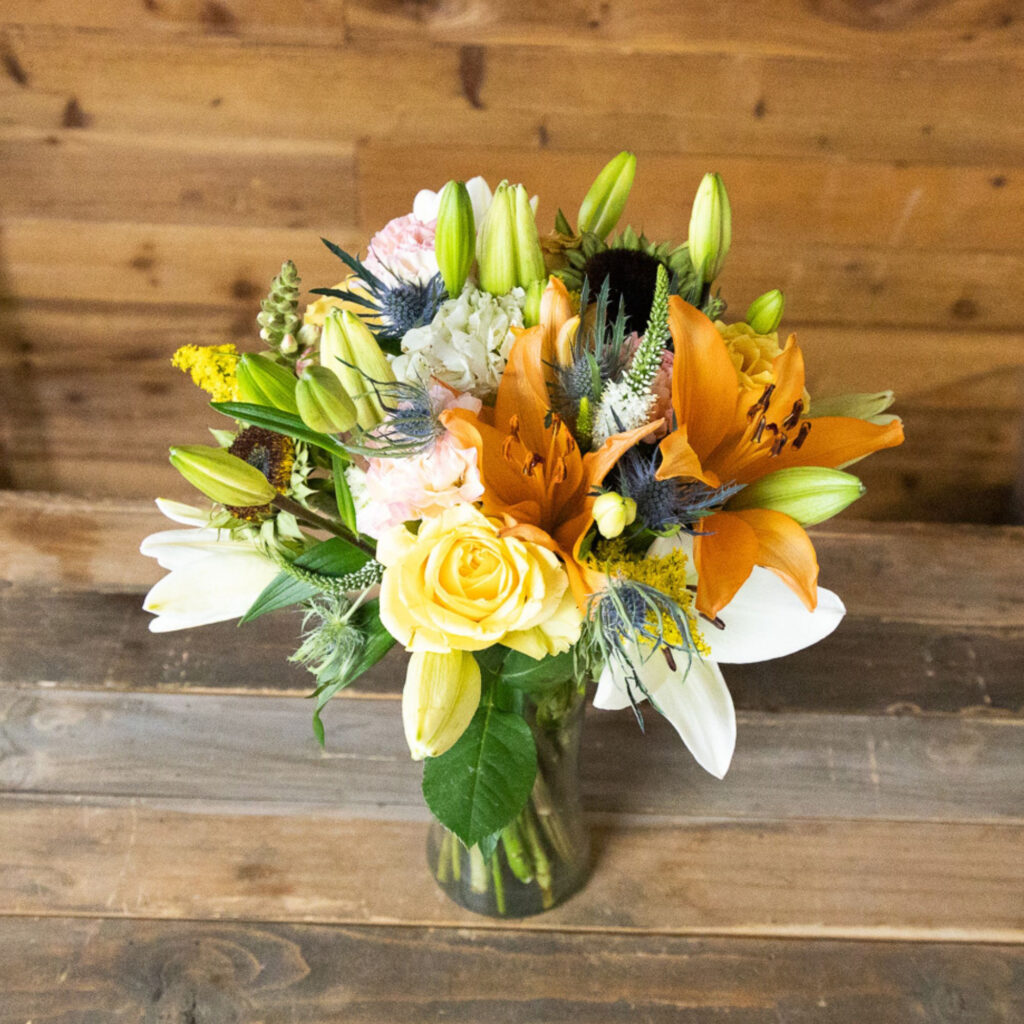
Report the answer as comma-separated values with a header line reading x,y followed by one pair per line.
x,y
458,585
752,354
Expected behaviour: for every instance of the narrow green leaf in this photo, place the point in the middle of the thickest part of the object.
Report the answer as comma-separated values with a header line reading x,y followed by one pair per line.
x,y
478,786
342,494
534,675
283,590
281,423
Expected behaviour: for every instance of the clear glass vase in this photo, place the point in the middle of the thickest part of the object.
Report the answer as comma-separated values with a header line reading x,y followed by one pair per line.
x,y
543,856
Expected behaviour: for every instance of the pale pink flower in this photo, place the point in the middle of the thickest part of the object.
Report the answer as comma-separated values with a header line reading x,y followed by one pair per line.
x,y
403,251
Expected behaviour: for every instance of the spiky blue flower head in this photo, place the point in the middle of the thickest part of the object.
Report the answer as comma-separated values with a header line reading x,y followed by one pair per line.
x,y
410,427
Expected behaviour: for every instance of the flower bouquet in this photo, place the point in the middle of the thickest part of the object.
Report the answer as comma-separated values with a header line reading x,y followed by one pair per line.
x,y
537,462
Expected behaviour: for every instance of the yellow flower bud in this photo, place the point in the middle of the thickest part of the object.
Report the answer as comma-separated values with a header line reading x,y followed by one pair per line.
x,y
221,476
441,695
529,257
808,494
351,352
261,381
496,248
455,238
603,204
765,312
613,513
324,404
710,228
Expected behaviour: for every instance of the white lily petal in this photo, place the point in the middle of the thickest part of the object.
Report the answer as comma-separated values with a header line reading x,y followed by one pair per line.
x,y
767,620
425,205
480,196
179,512
215,588
698,704
176,548
611,692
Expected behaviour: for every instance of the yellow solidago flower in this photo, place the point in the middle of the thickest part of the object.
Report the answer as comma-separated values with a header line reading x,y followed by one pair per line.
x,y
212,368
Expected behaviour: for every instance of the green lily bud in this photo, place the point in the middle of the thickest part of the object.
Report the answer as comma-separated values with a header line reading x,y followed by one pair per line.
x,y
808,494
496,244
324,404
529,257
765,312
221,476
603,204
351,353
440,697
613,513
531,310
261,381
455,238
860,407
710,228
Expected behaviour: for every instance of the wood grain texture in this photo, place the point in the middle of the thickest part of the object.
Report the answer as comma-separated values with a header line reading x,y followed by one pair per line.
x,y
561,97
313,974
857,879
243,749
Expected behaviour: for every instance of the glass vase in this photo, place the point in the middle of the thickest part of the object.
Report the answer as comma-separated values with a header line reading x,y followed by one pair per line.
x,y
543,856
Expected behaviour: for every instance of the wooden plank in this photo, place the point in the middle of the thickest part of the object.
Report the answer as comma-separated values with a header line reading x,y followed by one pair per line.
x,y
177,180
246,749
871,665
878,107
160,264
776,202
877,880
225,971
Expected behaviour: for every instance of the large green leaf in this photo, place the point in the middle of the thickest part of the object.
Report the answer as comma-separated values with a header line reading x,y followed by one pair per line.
x,y
281,423
478,786
535,675
334,557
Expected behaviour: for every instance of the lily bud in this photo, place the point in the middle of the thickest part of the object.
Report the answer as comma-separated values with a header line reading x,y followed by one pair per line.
x,y
765,312
534,299
261,381
455,237
324,404
603,204
496,244
710,228
441,695
808,494
350,351
529,256
221,476
860,406
613,513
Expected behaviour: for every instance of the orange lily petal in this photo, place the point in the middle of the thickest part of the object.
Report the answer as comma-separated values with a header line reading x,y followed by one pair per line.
x,y
836,440
679,459
523,393
724,554
705,388
785,548
555,310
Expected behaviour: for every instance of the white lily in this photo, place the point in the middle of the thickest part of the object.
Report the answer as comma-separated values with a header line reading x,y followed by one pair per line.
x,y
212,575
764,620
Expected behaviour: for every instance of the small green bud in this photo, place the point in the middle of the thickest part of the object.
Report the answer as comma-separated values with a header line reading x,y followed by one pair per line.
x,y
324,404
496,245
349,350
613,513
261,381
534,294
455,238
808,494
221,476
710,228
765,312
529,257
603,204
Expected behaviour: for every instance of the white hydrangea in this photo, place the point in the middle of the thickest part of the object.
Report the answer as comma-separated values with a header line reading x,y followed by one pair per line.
x,y
466,345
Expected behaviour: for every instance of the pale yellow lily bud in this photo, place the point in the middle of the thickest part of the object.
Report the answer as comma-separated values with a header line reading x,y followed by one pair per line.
x,y
808,494
765,312
529,257
441,695
603,204
564,341
261,381
221,476
350,351
710,228
323,403
613,513
860,406
497,271
455,237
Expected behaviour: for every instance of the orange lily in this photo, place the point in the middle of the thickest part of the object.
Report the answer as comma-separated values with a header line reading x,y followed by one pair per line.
x,y
535,475
725,433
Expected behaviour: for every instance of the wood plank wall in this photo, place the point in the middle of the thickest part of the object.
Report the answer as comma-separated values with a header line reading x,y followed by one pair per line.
x,y
161,157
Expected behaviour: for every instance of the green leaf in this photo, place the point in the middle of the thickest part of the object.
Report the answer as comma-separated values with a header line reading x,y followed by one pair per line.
x,y
342,494
534,675
334,557
489,844
281,423
478,786
490,659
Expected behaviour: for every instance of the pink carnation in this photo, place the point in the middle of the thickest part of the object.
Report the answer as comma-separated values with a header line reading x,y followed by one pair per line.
x,y
403,251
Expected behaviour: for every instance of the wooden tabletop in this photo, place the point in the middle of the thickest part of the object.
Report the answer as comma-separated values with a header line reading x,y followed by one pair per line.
x,y
176,848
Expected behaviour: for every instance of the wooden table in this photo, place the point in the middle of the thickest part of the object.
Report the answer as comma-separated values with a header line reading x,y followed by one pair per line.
x,y
175,847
